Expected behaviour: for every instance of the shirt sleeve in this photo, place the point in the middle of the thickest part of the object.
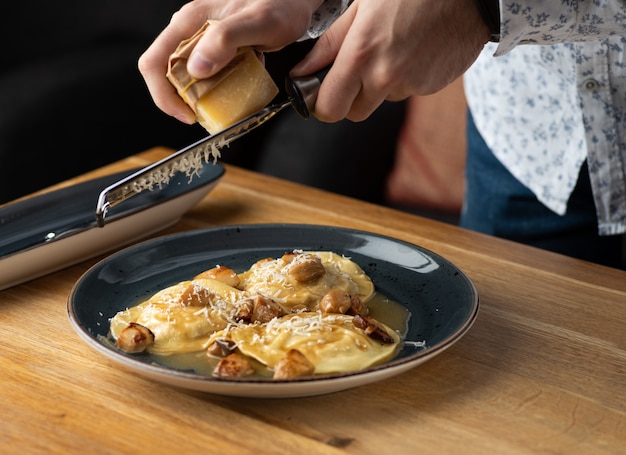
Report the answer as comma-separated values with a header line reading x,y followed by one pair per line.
x,y
559,21
325,15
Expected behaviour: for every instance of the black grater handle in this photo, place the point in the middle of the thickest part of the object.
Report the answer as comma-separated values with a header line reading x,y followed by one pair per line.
x,y
303,91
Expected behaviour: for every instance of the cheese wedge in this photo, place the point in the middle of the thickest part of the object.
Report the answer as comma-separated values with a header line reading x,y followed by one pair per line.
x,y
246,90
241,88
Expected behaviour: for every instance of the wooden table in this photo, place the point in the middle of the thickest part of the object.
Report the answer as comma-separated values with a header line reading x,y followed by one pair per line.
x,y
543,369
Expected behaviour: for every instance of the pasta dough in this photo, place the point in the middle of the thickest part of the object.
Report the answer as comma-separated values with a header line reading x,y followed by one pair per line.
x,y
273,278
266,314
329,341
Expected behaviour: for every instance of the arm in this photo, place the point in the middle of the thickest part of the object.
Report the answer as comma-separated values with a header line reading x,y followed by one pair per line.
x,y
392,50
379,50
433,43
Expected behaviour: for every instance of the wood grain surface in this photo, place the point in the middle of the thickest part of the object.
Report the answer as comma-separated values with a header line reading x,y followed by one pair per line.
x,y
543,369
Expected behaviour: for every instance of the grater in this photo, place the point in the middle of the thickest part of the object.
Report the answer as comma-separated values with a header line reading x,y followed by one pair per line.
x,y
302,94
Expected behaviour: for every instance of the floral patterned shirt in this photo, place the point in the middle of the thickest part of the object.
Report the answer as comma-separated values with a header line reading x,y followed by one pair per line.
x,y
325,15
545,108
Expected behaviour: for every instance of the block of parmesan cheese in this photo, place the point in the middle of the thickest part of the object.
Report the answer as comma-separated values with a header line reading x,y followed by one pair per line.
x,y
246,90
239,89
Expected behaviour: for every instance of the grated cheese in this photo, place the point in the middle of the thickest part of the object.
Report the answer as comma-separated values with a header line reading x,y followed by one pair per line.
x,y
188,163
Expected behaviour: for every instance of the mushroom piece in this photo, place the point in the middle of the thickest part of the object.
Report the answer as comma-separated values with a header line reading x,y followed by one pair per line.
x,y
335,301
221,347
233,366
293,364
289,256
194,295
357,306
221,273
258,309
265,309
342,302
244,310
135,338
306,269
372,329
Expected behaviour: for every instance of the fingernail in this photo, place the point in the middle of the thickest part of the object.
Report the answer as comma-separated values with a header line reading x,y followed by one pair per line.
x,y
185,119
198,64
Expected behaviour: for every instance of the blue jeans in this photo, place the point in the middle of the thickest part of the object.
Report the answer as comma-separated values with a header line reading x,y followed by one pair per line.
x,y
496,203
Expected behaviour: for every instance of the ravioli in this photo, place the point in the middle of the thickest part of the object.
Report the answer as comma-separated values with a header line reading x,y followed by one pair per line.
x,y
330,342
272,278
301,312
180,323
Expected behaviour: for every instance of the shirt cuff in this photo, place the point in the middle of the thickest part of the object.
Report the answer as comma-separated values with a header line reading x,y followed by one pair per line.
x,y
556,21
323,18
537,22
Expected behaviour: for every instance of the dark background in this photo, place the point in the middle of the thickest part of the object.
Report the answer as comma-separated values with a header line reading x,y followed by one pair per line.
x,y
72,100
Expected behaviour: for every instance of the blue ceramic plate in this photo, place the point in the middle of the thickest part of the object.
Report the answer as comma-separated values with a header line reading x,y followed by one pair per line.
x,y
57,229
441,299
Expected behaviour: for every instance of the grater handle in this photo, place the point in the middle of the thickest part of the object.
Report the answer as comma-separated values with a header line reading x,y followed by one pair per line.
x,y
303,91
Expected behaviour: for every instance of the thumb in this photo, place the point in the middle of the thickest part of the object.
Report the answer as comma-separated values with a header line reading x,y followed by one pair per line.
x,y
212,51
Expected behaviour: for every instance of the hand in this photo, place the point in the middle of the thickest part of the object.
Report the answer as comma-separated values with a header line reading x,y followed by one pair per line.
x,y
267,25
390,50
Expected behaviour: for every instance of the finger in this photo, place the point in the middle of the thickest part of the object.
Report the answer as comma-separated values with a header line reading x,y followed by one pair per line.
x,y
370,73
340,86
152,64
167,99
346,95
181,26
222,40
363,74
212,51
364,105
335,96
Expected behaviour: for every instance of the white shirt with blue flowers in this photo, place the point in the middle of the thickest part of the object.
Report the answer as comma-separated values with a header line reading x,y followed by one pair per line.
x,y
325,15
552,94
